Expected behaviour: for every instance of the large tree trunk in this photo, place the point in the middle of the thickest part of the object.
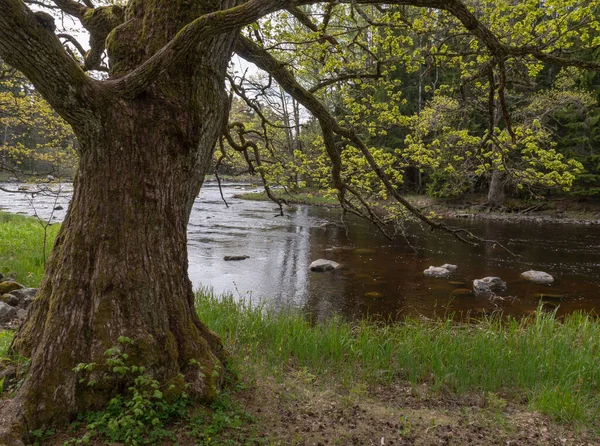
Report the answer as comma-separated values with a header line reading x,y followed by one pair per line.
x,y
119,265
496,194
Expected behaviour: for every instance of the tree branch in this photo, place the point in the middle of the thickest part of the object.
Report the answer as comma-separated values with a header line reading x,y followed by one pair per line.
x,y
34,50
330,127
186,40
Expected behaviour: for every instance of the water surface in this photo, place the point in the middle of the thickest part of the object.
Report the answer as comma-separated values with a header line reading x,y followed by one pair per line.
x,y
379,278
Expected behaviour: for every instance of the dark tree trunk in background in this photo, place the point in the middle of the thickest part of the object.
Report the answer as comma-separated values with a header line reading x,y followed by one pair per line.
x,y
119,265
496,194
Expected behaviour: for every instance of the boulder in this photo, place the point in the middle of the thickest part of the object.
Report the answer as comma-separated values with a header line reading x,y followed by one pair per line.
x,y
449,267
58,208
26,302
50,178
24,293
235,258
488,285
8,286
537,277
25,296
437,271
11,300
322,265
6,312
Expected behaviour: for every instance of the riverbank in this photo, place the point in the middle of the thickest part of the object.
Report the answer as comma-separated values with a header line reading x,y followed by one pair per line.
x,y
419,382
313,197
562,210
527,383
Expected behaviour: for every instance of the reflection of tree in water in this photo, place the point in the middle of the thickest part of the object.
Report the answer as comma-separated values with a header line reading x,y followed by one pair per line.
x,y
289,277
329,291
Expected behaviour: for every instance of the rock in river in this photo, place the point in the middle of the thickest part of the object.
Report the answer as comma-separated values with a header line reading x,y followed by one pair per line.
x,y
233,258
364,251
449,267
322,265
374,294
462,292
538,277
488,285
437,271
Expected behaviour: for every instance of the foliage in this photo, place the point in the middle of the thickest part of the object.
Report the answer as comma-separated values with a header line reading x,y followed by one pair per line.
x,y
301,196
429,99
33,137
138,416
221,423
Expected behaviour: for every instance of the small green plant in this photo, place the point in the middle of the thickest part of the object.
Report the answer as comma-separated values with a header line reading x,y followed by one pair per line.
x,y
222,424
138,416
39,435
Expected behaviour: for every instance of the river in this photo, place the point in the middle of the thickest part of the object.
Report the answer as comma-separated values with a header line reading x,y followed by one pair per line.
x,y
379,278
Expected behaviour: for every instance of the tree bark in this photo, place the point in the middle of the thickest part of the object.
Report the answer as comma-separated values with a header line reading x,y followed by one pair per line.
x,y
496,194
119,264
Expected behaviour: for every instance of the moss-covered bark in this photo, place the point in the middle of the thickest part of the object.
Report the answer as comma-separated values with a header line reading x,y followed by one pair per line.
x,y
119,266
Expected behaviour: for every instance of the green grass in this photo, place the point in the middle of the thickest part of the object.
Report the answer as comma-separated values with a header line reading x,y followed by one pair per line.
x,y
551,363
305,196
5,338
21,247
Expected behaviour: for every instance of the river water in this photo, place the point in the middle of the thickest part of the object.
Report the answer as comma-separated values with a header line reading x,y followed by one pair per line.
x,y
380,278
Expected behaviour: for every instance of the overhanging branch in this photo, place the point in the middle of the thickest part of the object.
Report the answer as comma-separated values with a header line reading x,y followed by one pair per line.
x,y
330,127
36,51
188,38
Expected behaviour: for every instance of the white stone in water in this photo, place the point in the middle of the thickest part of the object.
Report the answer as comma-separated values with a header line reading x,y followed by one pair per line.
x,y
437,271
538,277
488,285
449,267
322,265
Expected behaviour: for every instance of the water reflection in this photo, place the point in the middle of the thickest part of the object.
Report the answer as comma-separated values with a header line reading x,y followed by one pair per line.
x,y
379,278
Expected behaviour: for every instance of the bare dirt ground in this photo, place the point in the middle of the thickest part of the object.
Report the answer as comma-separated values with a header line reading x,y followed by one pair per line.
x,y
292,413
296,411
